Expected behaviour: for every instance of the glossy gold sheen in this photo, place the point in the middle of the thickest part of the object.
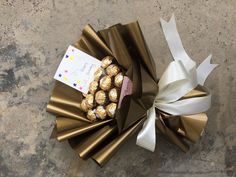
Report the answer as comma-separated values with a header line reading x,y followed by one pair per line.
x,y
100,140
118,80
113,95
89,145
100,97
101,112
90,100
93,87
105,83
112,70
65,123
80,130
84,106
97,75
106,61
111,109
91,115
102,156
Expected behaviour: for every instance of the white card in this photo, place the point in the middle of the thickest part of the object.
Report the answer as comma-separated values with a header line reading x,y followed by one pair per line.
x,y
77,69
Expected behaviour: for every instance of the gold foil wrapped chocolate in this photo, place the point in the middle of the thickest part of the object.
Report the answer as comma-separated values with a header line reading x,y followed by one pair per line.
x,y
84,106
112,70
106,61
98,73
101,112
103,138
100,97
91,115
89,100
105,83
84,94
111,109
118,79
93,87
113,95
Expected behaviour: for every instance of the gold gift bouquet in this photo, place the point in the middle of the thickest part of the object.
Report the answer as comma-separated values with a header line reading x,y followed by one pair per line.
x,y
126,98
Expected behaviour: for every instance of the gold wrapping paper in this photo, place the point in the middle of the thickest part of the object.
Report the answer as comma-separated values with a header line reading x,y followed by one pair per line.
x,y
80,130
178,128
100,140
102,156
89,145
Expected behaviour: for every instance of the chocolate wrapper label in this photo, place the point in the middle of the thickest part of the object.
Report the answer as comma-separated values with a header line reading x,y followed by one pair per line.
x,y
77,69
126,89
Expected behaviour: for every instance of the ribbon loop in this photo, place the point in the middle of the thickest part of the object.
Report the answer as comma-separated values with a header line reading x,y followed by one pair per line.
x,y
147,136
180,77
187,106
174,83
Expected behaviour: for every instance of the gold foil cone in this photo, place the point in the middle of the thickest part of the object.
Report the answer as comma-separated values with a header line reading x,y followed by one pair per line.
x,y
171,135
118,46
98,45
175,128
89,145
102,156
190,127
80,130
142,49
63,124
65,95
66,111
194,125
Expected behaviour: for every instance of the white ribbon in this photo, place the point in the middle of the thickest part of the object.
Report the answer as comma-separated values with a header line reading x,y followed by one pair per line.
x,y
180,77
148,142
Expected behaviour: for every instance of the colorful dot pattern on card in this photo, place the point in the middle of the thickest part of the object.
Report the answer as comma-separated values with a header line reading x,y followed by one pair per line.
x,y
77,69
71,57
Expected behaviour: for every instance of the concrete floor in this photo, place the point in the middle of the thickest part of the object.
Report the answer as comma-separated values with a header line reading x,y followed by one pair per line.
x,y
34,34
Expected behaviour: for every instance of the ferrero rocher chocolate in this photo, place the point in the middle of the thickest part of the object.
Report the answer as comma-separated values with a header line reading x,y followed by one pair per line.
x,y
101,112
105,83
89,101
111,109
112,70
91,115
84,94
118,80
106,61
98,74
100,97
83,105
93,87
113,95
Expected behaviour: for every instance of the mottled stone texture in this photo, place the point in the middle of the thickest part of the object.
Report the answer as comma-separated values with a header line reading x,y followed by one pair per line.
x,y
34,34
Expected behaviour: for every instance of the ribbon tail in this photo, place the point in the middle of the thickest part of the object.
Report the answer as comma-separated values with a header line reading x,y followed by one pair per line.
x,y
186,106
174,83
147,136
175,44
204,70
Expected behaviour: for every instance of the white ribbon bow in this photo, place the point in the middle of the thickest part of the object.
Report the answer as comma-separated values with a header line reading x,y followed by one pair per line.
x,y
180,77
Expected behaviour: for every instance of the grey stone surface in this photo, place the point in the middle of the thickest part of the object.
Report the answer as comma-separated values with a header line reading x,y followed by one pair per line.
x,y
34,34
